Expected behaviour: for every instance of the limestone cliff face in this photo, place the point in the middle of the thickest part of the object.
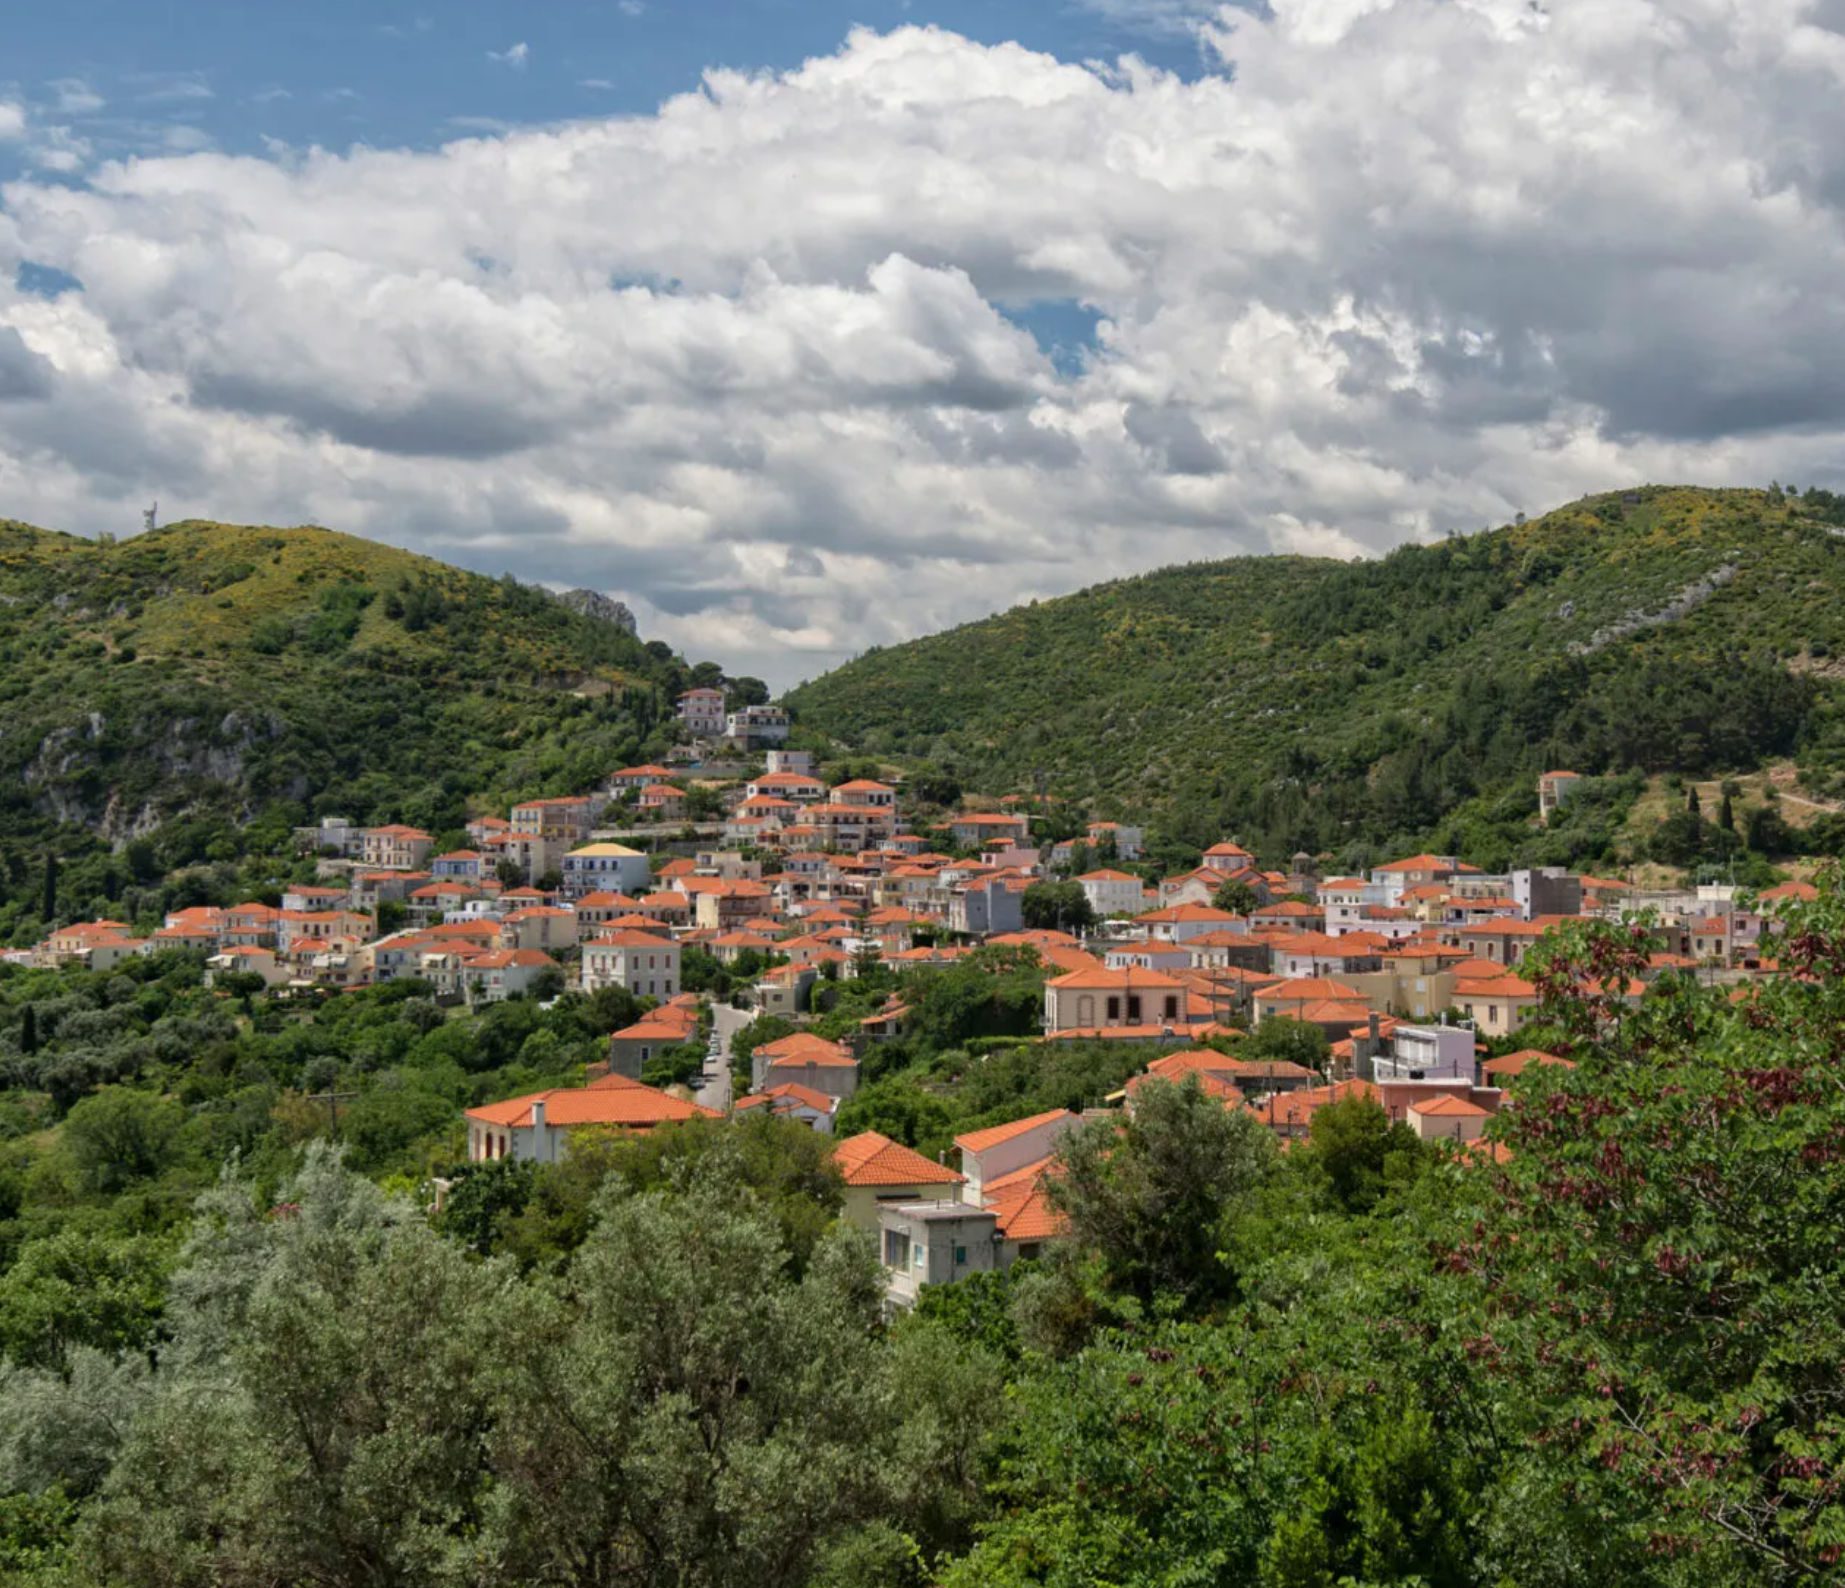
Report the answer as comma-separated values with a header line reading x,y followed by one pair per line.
x,y
603,608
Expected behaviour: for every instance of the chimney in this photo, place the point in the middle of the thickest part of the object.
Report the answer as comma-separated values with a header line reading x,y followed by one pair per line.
x,y
538,1119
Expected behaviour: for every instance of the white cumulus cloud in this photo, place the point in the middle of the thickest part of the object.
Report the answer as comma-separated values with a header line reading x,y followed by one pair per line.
x,y
772,362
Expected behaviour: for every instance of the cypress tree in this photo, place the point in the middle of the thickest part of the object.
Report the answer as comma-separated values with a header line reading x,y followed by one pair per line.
x,y
28,1029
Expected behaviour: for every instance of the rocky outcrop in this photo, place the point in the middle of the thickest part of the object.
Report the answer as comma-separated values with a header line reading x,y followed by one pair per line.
x,y
69,775
603,608
1683,604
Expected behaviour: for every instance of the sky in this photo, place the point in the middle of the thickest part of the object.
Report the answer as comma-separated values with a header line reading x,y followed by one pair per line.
x,y
804,327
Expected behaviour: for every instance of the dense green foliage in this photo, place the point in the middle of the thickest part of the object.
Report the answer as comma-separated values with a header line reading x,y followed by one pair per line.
x,y
1352,708
199,689
141,1082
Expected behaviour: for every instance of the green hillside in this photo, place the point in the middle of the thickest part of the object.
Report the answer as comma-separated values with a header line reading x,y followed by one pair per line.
x,y
203,686
1309,703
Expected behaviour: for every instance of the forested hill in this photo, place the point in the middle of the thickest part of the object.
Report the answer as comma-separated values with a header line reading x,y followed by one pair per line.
x,y
1307,703
224,676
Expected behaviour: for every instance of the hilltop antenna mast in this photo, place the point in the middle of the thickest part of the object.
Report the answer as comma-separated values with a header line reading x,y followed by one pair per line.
x,y
149,515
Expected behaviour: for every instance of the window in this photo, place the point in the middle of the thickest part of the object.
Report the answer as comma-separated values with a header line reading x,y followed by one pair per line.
x,y
960,1257
1172,1008
896,1249
1492,1014
1133,1009
1028,1251
1114,1009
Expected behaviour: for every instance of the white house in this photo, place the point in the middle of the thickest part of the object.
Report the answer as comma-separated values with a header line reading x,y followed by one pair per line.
x,y
643,962
758,725
991,1154
702,711
1112,892
503,973
537,1127
934,1243
605,868
1427,1053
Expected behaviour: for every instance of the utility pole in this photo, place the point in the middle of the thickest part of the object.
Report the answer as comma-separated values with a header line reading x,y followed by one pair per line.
x,y
333,1100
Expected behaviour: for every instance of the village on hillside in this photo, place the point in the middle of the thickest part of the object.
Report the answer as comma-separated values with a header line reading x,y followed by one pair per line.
x,y
1407,982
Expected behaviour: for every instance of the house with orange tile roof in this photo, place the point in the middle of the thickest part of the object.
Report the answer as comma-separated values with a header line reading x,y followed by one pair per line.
x,y
1128,999
502,973
808,1060
247,961
542,926
565,819
395,848
1233,948
1447,1118
1296,954
1200,885
727,947
632,779
985,906
637,1045
668,906
796,788
1227,857
1128,842
723,904
971,829
81,942
1217,1074
876,1169
1179,923
1289,915
702,710
600,908
1497,1005
1503,940
460,865
1112,892
1290,1114
1509,1066
1170,959
664,800
299,932
1553,790
536,1128
791,1100
1395,877
996,1151
435,900
645,963
1294,996
1024,1217
866,791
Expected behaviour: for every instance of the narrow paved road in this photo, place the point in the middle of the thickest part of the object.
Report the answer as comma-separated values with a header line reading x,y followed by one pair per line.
x,y
714,1085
